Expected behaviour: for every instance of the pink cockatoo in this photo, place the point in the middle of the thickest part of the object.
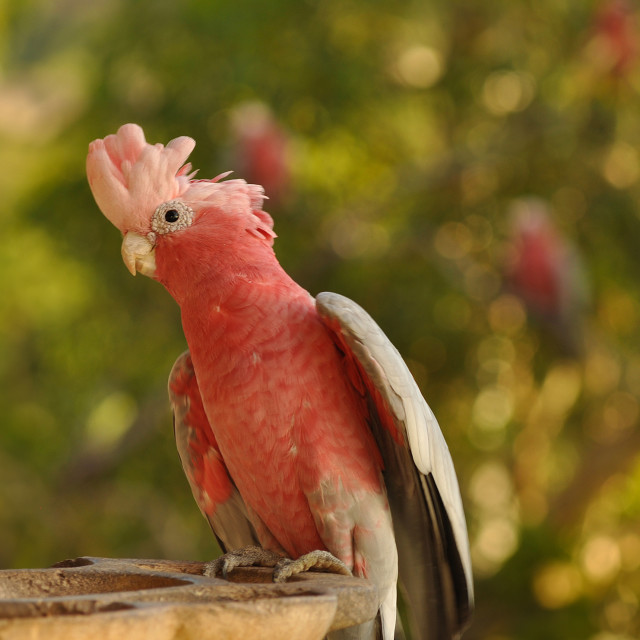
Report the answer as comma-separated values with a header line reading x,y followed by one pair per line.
x,y
260,148
298,424
613,47
545,270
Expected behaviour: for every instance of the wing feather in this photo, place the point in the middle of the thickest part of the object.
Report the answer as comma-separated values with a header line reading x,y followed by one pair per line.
x,y
421,482
213,489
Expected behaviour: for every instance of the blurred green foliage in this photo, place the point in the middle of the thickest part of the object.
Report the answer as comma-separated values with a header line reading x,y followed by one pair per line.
x,y
415,130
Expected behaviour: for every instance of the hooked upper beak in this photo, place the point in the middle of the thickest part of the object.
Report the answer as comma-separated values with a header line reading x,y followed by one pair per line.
x,y
138,253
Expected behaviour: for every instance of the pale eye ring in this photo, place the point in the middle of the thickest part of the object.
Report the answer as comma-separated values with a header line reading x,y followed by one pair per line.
x,y
172,215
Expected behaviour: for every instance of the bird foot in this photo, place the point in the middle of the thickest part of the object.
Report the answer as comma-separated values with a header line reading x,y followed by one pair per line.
x,y
314,560
245,557
284,568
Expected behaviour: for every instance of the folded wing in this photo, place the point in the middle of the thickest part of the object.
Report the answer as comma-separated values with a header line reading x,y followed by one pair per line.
x,y
212,487
422,487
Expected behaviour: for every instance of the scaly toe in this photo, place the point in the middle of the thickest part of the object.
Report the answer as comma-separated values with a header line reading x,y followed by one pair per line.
x,y
245,557
315,560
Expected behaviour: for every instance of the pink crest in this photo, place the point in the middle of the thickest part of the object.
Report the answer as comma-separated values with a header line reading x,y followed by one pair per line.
x,y
129,178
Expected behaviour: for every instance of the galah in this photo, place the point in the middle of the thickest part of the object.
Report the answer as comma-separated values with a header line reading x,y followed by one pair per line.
x,y
260,148
298,424
614,44
545,270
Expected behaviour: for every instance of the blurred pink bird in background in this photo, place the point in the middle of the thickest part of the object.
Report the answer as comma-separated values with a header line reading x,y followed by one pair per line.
x,y
546,272
614,44
260,149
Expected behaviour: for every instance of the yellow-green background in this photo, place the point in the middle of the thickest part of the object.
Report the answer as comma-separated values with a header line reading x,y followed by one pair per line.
x,y
414,128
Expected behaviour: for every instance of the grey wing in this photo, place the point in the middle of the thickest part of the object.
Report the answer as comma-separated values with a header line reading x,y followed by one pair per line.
x,y
213,489
422,486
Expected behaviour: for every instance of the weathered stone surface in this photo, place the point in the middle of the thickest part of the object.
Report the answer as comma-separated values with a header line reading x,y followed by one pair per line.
x,y
166,600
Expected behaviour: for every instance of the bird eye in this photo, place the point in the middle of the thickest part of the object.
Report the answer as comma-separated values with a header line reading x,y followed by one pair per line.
x,y
173,215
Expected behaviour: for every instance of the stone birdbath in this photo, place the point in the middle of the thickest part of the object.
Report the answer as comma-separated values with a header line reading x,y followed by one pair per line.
x,y
114,599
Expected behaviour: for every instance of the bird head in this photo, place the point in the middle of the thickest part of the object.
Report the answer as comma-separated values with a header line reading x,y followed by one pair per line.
x,y
148,192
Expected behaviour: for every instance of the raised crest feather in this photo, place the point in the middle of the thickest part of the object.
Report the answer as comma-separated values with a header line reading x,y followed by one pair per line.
x,y
130,178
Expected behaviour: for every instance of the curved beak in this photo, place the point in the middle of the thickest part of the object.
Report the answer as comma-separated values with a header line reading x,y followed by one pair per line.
x,y
138,254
